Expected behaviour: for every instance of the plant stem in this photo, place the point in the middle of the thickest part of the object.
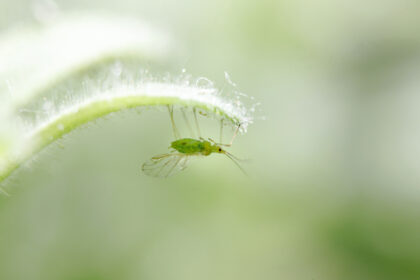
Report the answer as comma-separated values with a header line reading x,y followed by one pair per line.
x,y
83,113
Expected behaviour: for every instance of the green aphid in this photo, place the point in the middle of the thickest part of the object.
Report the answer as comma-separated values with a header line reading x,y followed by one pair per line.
x,y
189,146
183,149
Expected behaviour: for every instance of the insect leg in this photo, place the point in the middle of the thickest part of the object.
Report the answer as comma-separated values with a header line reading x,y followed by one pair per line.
x,y
196,123
231,141
187,122
221,130
234,135
171,115
211,140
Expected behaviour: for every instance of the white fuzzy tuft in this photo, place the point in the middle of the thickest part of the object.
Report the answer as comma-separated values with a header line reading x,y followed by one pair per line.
x,y
190,92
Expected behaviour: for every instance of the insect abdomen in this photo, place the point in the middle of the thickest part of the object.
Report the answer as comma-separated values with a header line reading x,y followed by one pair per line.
x,y
188,146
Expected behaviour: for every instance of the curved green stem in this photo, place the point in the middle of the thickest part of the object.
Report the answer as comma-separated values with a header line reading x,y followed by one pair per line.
x,y
83,113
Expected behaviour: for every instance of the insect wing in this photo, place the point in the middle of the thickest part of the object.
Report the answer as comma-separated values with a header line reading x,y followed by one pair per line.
x,y
183,163
165,165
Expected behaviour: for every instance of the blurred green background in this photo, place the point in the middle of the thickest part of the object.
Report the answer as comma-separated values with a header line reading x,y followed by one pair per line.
x,y
335,168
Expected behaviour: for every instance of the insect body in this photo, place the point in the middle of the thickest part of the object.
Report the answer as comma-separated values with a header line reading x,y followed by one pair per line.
x,y
190,146
182,150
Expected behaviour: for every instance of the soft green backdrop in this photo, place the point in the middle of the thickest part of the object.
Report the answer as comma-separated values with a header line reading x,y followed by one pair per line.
x,y
335,167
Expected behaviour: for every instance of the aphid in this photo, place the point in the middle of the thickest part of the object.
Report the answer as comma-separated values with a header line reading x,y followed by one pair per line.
x,y
183,149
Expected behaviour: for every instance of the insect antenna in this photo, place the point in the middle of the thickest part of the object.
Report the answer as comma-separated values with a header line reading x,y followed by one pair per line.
x,y
235,160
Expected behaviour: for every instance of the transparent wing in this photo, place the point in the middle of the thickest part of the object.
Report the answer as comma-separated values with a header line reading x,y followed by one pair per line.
x,y
165,165
184,162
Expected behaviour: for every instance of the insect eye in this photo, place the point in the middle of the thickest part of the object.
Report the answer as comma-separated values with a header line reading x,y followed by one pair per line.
x,y
220,149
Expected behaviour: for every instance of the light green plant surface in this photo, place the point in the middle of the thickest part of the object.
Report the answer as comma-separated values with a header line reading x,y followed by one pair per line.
x,y
334,168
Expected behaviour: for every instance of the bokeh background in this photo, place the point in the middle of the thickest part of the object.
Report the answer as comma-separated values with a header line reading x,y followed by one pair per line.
x,y
334,187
